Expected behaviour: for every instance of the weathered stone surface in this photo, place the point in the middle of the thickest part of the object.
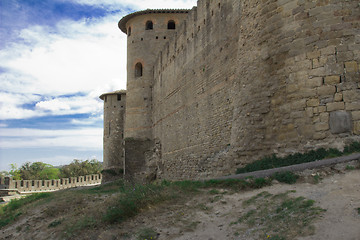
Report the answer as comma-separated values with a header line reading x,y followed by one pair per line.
x,y
335,106
351,67
321,126
332,80
357,127
326,90
340,122
352,106
314,82
355,115
313,102
237,80
338,97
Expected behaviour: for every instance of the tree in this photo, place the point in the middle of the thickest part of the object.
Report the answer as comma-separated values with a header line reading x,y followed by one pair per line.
x,y
4,174
81,168
15,172
34,171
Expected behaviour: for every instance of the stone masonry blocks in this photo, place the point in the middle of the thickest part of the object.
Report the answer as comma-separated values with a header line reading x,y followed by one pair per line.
x,y
340,122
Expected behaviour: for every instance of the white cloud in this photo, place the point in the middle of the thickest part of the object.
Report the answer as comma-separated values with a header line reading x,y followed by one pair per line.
x,y
3,125
89,121
81,139
142,4
81,57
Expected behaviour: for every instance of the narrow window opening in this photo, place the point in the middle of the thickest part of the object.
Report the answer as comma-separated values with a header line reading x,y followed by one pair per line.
x,y
109,129
119,97
129,31
142,39
171,24
164,37
33,183
149,25
157,37
138,70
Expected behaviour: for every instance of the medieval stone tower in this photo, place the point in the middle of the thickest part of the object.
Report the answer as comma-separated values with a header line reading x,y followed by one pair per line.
x,y
216,87
114,120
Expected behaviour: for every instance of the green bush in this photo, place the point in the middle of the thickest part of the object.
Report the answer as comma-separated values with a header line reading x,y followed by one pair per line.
x,y
286,177
132,200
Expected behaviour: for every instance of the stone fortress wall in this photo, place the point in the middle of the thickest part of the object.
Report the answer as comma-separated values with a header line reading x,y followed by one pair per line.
x,y
29,186
242,79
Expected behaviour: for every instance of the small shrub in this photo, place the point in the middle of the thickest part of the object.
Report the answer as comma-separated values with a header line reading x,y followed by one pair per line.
x,y
133,199
214,191
286,177
84,223
260,182
273,161
348,167
317,178
358,210
55,223
146,234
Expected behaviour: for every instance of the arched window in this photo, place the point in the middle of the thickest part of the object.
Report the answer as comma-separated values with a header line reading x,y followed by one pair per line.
x,y
171,24
129,32
149,25
138,70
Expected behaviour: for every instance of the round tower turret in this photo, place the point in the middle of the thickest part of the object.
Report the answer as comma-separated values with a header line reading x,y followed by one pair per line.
x,y
114,119
148,31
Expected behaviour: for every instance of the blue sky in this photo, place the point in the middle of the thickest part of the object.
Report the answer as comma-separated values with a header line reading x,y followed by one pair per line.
x,y
56,58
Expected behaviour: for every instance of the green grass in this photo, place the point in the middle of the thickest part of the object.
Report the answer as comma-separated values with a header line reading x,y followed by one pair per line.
x,y
86,222
348,167
15,208
286,177
297,158
279,216
146,234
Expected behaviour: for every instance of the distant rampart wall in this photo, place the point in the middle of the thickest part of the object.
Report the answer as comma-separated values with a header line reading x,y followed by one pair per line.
x,y
49,185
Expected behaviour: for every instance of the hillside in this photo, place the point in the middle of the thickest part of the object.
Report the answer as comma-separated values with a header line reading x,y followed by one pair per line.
x,y
323,204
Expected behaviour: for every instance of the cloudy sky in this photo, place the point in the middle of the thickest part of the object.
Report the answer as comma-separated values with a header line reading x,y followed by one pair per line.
x,y
56,58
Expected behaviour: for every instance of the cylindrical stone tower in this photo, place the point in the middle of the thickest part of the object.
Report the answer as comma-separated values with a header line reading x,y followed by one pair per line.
x,y
114,119
147,32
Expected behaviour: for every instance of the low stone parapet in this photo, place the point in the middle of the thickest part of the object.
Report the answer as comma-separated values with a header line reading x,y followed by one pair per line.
x,y
25,186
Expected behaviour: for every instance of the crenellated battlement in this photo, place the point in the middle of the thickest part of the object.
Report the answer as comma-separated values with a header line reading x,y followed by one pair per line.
x,y
27,186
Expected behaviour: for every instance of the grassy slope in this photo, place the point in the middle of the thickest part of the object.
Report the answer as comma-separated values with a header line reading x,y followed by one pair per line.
x,y
95,209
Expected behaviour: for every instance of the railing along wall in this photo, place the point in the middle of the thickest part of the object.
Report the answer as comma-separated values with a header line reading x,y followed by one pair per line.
x,y
49,185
